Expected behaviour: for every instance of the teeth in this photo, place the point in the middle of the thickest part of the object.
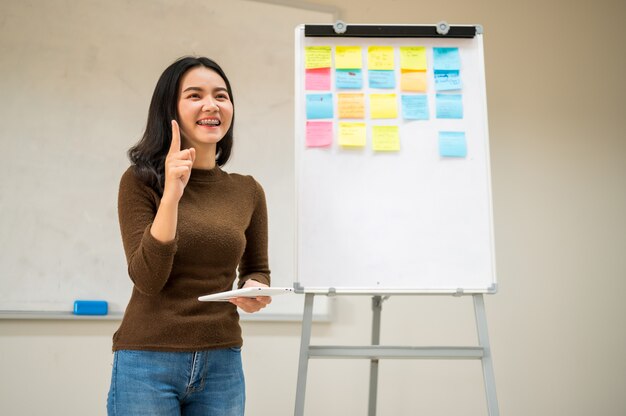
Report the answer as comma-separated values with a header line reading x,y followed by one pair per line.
x,y
209,122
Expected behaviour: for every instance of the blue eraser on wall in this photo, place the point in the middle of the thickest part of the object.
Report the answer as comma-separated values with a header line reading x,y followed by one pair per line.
x,y
91,307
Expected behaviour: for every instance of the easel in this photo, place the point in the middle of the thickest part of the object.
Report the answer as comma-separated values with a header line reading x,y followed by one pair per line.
x,y
353,244
375,352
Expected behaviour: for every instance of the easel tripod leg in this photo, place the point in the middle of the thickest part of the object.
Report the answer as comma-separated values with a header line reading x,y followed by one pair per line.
x,y
487,362
376,312
303,364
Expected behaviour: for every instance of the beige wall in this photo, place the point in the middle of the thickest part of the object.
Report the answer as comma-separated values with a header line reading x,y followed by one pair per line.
x,y
556,113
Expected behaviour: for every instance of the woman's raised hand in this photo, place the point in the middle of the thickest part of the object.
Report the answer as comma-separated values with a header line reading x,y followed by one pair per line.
x,y
178,165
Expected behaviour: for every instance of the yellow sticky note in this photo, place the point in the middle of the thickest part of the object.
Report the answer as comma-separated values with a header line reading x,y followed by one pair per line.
x,y
383,106
380,57
413,81
385,138
352,134
413,57
317,57
348,57
351,105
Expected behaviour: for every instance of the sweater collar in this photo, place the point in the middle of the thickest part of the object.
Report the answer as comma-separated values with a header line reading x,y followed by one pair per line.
x,y
206,175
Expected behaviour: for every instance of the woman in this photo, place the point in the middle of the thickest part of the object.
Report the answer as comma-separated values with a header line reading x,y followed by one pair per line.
x,y
187,228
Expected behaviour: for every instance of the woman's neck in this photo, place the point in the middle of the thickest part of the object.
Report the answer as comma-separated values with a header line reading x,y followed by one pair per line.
x,y
205,156
204,160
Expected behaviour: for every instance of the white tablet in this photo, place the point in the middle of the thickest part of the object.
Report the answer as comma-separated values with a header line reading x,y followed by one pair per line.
x,y
248,292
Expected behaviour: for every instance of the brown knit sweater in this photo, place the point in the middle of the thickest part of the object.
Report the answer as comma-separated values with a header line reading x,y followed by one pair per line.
x,y
222,225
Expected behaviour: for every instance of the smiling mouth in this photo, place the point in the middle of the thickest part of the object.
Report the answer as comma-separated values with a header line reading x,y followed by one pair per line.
x,y
209,122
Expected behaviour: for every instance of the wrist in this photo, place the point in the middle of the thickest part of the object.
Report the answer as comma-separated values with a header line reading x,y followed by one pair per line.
x,y
169,199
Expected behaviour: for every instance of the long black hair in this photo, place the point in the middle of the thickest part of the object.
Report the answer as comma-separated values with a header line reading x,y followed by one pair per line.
x,y
148,155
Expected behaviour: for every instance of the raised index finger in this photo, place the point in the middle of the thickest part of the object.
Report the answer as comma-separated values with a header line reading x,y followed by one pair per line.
x,y
175,144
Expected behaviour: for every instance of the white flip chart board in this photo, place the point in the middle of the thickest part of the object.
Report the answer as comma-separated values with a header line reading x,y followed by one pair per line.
x,y
417,219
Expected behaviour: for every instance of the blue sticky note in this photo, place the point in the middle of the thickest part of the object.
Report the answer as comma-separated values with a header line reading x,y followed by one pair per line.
x,y
446,59
381,79
319,106
452,144
446,80
349,78
449,105
415,107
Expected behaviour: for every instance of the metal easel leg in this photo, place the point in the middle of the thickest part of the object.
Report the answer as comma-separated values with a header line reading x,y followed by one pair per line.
x,y
483,339
305,342
377,306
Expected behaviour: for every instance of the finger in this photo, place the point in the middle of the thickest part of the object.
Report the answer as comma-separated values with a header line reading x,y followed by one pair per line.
x,y
179,171
192,154
179,162
249,305
183,155
175,144
265,300
238,302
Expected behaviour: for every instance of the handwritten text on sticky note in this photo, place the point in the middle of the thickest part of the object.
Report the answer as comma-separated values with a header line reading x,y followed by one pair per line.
x,y
414,81
348,57
446,58
319,133
452,144
317,57
352,134
380,57
415,107
381,79
349,78
319,106
449,105
317,79
351,105
385,138
446,80
413,58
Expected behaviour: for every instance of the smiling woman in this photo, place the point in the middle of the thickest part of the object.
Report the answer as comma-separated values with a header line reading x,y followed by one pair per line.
x,y
187,227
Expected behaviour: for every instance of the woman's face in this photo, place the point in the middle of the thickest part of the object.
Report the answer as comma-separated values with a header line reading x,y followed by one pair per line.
x,y
205,111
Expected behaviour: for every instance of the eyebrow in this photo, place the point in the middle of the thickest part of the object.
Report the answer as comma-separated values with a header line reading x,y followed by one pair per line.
x,y
202,89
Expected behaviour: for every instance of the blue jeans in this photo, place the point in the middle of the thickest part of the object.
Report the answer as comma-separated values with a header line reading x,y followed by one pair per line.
x,y
207,383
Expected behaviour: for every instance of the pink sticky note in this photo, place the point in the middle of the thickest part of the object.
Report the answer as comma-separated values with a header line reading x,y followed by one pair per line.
x,y
317,79
319,133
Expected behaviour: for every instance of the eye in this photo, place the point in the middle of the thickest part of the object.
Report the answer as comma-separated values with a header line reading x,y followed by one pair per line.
x,y
222,96
194,95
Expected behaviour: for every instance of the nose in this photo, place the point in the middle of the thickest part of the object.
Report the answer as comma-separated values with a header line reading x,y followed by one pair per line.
x,y
209,106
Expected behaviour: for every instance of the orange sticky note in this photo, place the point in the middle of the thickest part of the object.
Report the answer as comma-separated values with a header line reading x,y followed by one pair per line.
x,y
413,81
351,105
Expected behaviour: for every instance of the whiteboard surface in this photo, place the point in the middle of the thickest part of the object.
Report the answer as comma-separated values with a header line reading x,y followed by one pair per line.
x,y
75,97
408,221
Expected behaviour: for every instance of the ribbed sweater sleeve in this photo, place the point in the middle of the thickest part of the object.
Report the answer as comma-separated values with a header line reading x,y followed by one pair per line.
x,y
254,263
149,260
